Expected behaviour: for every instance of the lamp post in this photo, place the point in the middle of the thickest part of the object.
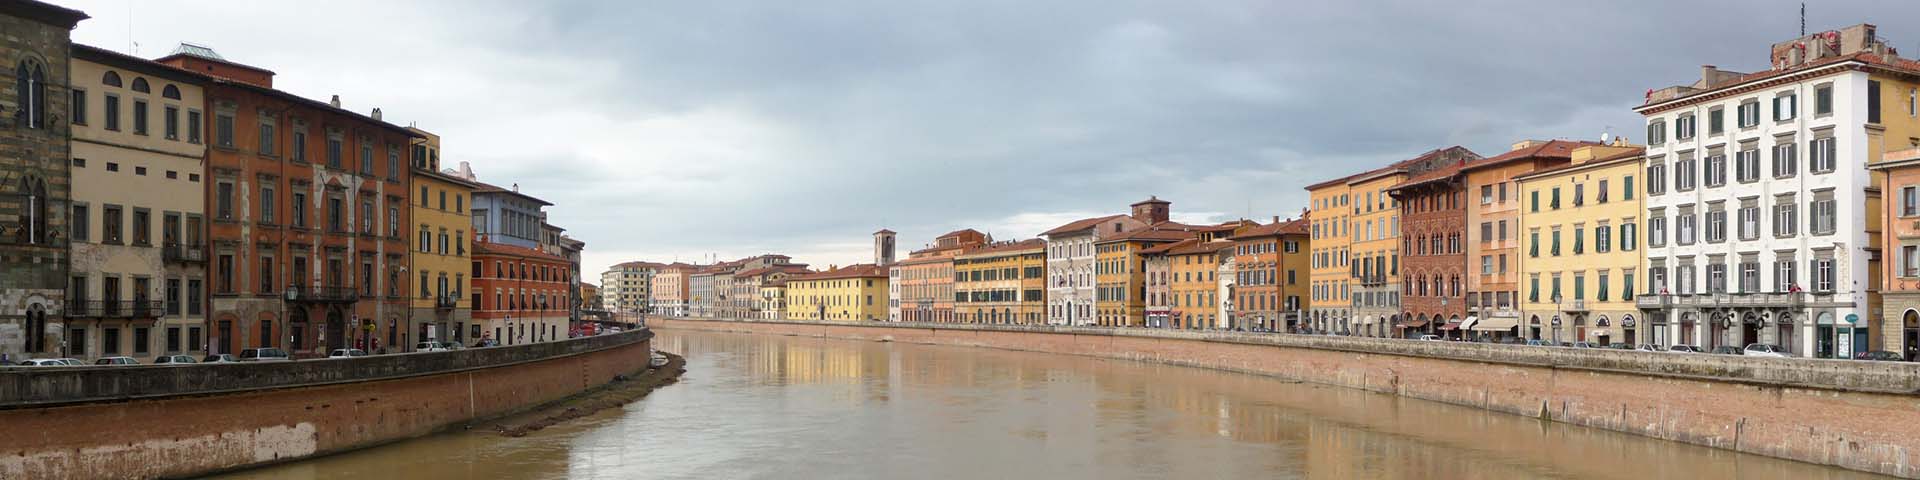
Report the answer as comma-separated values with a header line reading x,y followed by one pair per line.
x,y
1443,311
1556,319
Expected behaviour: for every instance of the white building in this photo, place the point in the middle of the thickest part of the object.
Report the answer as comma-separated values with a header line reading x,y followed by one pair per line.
x,y
627,287
1070,259
1757,195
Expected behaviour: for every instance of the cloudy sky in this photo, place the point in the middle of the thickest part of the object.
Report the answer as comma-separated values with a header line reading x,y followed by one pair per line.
x,y
669,130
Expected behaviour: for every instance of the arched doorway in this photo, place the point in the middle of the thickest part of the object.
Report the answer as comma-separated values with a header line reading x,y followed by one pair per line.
x,y
1689,326
1910,334
1579,327
1783,329
1717,330
1823,347
1601,334
1533,327
1749,330
1629,329
297,322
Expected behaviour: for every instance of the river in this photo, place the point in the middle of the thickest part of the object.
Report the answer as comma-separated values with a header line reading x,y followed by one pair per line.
x,y
759,406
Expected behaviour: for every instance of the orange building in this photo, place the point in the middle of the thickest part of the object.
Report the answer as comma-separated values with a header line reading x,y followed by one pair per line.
x,y
520,295
927,278
1269,263
1899,176
1493,224
307,202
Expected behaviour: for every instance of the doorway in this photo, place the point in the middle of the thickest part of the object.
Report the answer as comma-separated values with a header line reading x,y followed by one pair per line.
x,y
336,330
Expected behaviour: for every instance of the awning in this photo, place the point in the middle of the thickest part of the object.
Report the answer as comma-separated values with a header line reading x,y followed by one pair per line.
x,y
1450,326
1468,323
1412,324
1495,324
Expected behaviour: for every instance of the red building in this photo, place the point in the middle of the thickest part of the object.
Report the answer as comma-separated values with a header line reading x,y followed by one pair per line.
x,y
307,202
1433,273
520,295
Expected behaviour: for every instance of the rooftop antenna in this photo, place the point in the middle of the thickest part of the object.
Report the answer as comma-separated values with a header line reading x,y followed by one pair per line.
x,y
1803,19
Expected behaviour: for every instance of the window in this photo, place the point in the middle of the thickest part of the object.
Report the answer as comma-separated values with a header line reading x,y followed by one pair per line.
x,y
1536,200
225,270
266,204
1747,163
1656,132
1602,239
366,158
1656,179
1909,201
1579,240
299,209
299,152
1823,99
193,126
1627,233
80,220
1683,127
1783,107
393,162
78,107
1716,226
1684,227
110,224
172,121
1555,251
1555,203
1873,101
1657,230
1784,279
1785,219
1716,172
1749,114
1821,152
1784,160
31,88
333,150
223,129
1749,222
1823,275
142,228
1626,188
1579,194
223,198
1823,213
113,112
266,136
1600,194
1683,175
139,117
266,274
1909,260
1716,121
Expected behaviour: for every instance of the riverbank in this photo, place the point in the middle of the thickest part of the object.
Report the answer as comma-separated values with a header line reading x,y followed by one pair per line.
x,y
621,391
1847,414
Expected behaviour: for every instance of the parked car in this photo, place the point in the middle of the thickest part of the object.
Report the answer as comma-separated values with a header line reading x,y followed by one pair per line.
x,y
1585,345
1647,347
116,361
1540,343
1726,350
1685,349
220,358
1879,355
173,360
429,347
44,362
1764,350
485,342
1620,346
1430,338
347,353
452,346
264,355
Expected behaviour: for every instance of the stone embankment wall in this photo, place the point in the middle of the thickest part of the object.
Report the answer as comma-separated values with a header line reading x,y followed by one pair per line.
x,y
161,421
1850,414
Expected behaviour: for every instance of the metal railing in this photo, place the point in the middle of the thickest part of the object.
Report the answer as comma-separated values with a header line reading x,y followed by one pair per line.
x,y
321,294
183,252
116,309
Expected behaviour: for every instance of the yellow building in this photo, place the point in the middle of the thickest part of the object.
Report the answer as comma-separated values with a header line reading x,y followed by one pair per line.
x,y
1330,282
1373,254
1002,283
1120,272
856,293
1580,243
438,252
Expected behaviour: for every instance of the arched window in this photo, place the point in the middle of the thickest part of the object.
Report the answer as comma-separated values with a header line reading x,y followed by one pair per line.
x,y
170,91
112,79
33,219
31,83
140,85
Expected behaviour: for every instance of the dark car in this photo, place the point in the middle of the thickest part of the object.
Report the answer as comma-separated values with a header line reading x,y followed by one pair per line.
x,y
1684,348
1728,350
1620,346
1879,355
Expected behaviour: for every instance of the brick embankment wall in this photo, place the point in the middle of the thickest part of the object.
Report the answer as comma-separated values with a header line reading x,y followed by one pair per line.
x,y
156,421
1849,414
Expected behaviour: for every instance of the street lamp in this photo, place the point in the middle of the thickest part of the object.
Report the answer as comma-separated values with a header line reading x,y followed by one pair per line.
x,y
1443,311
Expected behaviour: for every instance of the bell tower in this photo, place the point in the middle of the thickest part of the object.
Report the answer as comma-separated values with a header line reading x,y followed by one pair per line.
x,y
883,247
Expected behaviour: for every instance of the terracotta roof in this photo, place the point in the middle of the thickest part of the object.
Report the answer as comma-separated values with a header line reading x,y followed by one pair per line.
x,y
1870,58
491,248
1289,227
1166,247
1635,152
994,248
1163,231
1081,224
484,187
1551,149
789,268
1199,247
101,55
960,231
863,270
1151,199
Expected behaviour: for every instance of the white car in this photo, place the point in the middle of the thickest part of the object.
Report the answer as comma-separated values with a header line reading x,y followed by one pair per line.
x,y
116,361
1430,338
429,347
347,353
173,360
1764,350
45,362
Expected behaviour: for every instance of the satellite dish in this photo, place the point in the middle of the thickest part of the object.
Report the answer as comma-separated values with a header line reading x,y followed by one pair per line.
x,y
1606,137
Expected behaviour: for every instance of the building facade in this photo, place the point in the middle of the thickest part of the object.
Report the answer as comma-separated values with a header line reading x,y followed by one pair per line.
x,y
1899,173
34,178
1757,211
1070,266
440,260
628,287
307,205
855,293
1002,283
1582,291
927,277
1433,214
137,210
668,289
1194,289
522,297
1270,261
1120,273
1331,284
750,288
1493,231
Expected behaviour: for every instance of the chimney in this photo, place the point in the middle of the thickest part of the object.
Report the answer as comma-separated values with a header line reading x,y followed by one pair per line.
x,y
516,187
1707,72
1276,219
376,113
335,102
1529,143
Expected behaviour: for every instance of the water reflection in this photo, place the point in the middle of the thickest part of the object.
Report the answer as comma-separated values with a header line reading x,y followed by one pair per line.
x,y
755,406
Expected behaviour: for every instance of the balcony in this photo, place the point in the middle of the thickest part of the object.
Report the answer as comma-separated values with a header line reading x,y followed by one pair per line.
x,y
321,294
1373,280
1728,300
186,253
445,302
1573,305
134,309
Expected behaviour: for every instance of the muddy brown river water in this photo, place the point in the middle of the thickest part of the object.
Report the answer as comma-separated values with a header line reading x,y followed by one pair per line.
x,y
757,406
